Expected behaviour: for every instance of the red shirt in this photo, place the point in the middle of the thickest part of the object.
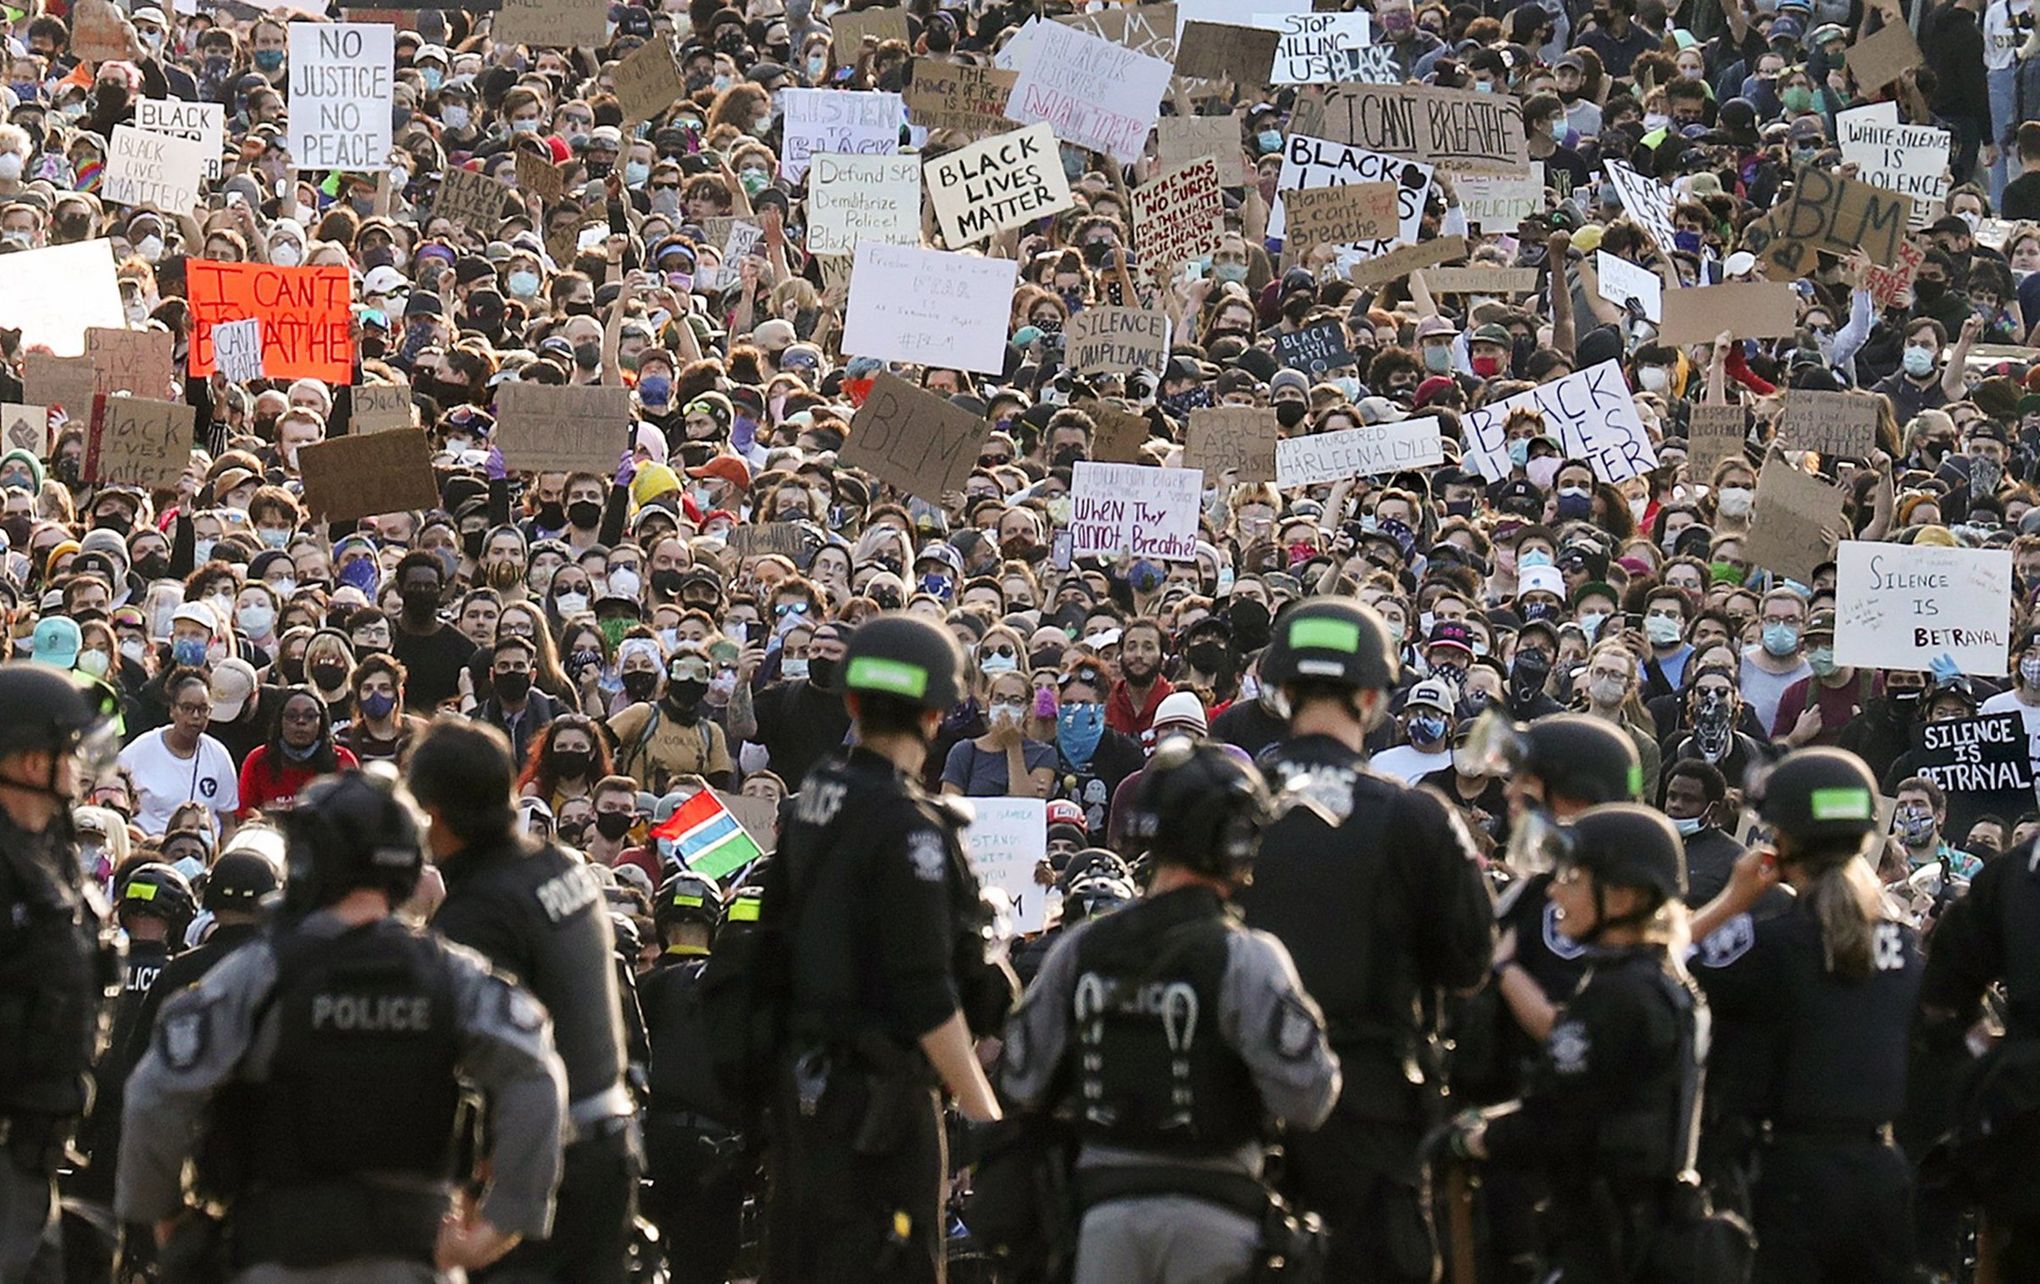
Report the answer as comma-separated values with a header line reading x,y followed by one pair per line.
x,y
1121,716
262,791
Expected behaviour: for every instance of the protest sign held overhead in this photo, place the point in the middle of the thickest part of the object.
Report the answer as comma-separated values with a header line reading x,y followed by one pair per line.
x,y
1210,50
1798,516
1912,159
1985,754
1623,283
949,95
202,123
1116,340
470,198
137,441
131,361
647,81
1137,510
1318,162
350,478
550,428
1831,213
307,327
1344,215
162,170
237,348
1903,607
1403,260
1841,425
383,407
67,382
859,198
340,78
1315,349
1452,129
1181,140
1316,48
997,183
929,307
1877,60
1093,92
1713,434
1589,410
53,295
1481,280
1120,435
914,441
1745,309
865,123
1358,452
1647,201
1179,216
552,24
1239,440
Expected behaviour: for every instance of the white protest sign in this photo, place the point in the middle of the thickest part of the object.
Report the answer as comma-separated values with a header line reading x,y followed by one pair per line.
x,y
1592,414
929,307
1902,606
1008,839
1622,281
1094,93
1358,452
53,295
340,82
743,240
840,122
1019,46
200,122
153,169
1497,202
1320,162
1131,508
1266,12
1315,48
237,347
862,198
1001,182
1648,201
1912,159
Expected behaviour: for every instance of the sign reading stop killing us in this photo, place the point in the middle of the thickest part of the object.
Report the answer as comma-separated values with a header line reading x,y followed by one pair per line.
x,y
1902,606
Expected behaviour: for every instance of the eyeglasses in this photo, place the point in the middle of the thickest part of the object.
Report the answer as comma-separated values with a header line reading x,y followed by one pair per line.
x,y
192,710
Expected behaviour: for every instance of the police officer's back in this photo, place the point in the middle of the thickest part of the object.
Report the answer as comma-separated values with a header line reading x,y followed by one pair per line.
x,y
328,1055
1373,888
57,956
1176,1034
538,913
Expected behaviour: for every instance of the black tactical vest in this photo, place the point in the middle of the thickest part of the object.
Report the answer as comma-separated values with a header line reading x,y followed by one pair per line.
x,y
681,1075
1153,1069
57,963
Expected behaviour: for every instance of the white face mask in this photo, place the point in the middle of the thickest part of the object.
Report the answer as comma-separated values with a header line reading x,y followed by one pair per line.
x,y
10,166
285,254
1654,378
1735,501
1004,716
571,604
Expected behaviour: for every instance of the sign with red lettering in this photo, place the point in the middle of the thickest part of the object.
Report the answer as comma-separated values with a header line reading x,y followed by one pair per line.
x,y
306,327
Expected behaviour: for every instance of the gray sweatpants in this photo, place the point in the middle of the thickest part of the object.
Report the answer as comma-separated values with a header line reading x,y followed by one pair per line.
x,y
1165,1239
27,1225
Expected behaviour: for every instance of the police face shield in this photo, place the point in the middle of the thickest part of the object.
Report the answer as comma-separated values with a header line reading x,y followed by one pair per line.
x,y
1537,844
1496,746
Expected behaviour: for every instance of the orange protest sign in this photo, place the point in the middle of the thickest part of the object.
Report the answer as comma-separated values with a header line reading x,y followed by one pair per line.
x,y
306,326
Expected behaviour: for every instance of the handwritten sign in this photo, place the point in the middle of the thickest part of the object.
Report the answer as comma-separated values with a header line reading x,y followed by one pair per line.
x,y
1179,140
154,169
1713,434
647,81
131,361
1987,754
858,198
1837,424
948,95
1179,216
1001,182
1094,93
1793,524
1493,202
1898,158
67,382
1453,129
1342,215
794,541
929,307
1233,439
1592,414
1890,286
1623,282
340,84
307,325
1481,280
471,199
1403,260
1008,839
839,123
1900,607
237,349
137,441
1317,48
1120,433
914,441
540,175
25,428
52,295
1216,51
1315,349
1745,309
1647,201
1127,508
547,429
100,32
382,407
202,123
349,478
1117,340
551,24
1358,452
1832,213
849,29
1320,162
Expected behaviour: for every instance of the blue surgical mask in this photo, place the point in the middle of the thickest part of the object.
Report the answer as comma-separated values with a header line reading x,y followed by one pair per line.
x,y
1689,825
1535,557
1427,727
1519,451
655,390
1233,273
268,59
201,549
1821,659
432,77
1270,141
635,173
1919,362
1781,639
523,285
273,536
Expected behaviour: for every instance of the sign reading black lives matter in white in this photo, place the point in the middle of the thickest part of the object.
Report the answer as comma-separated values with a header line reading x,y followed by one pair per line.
x,y
1987,754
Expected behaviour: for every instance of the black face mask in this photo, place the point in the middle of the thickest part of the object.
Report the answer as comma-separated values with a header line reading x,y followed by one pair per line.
x,y
512,687
1066,456
1291,413
567,763
1096,252
150,566
119,523
1927,291
1206,657
328,675
1296,309
666,583
471,543
586,355
584,513
552,515
686,693
294,669
421,603
640,684
821,673
612,825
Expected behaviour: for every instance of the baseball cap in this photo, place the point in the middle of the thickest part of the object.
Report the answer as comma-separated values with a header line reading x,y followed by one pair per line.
x,y
1431,693
233,684
57,641
1451,633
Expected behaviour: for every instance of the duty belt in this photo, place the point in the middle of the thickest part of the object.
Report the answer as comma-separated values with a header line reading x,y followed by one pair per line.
x,y
586,1118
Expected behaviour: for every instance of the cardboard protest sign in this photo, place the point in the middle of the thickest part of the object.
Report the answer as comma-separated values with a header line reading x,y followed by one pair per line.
x,y
1402,261
1746,309
1647,201
340,85
929,307
647,81
1453,129
1120,434
1236,439
1792,527
1592,414
1837,424
1358,452
1832,213
857,198
848,29
1137,510
68,382
758,816
471,199
202,123
1493,202
543,428
349,478
1319,162
1116,340
1008,839
551,24
101,33
914,441
1889,286
1622,281
307,324
1981,755
541,176
1714,433
137,441
52,295
948,95
1180,140
1214,51
1315,349
1342,215
1481,280
1095,93
131,361
25,428
1001,182
1317,48
382,407
1901,606
1898,158
1877,60
237,349
1178,216
792,540
837,122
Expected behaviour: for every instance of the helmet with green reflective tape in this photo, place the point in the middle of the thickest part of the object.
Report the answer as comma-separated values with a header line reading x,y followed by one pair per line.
x,y
687,897
1582,757
1816,795
1331,639
905,657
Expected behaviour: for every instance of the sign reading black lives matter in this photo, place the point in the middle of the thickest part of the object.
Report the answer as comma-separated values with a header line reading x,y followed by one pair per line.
x,y
1315,348
1986,754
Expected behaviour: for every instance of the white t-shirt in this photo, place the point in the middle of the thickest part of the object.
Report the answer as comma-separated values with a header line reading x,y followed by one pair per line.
x,y
2008,702
164,781
2002,38
1408,763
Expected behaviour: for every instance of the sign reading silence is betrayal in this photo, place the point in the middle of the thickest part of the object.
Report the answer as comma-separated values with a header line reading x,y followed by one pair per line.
x,y
912,440
1903,607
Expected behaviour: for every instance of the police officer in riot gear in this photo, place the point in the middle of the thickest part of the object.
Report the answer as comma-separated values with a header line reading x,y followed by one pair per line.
x,y
1813,1013
538,914
58,956
330,1052
1608,1115
1374,889
692,1149
871,913
1177,1034
240,890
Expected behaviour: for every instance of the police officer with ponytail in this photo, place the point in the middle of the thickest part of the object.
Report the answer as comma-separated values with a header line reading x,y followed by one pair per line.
x,y
1813,1011
329,1055
1374,889
1175,1034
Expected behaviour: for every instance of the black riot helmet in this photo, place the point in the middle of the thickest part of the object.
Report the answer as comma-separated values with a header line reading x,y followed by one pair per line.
x,y
155,890
356,829
687,897
1628,845
241,880
1199,807
44,708
1582,758
906,658
1095,894
1819,797
1333,640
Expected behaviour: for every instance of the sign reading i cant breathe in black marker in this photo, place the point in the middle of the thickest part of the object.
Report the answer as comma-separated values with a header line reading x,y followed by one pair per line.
x,y
1987,754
